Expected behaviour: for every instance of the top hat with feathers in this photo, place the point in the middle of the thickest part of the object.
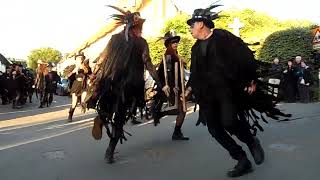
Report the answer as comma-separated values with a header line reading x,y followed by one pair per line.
x,y
130,19
80,54
205,15
50,65
170,37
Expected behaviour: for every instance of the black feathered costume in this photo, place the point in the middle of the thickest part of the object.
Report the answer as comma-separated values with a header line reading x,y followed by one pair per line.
x,y
222,67
120,86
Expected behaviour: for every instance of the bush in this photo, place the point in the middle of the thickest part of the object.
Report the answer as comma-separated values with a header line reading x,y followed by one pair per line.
x,y
287,44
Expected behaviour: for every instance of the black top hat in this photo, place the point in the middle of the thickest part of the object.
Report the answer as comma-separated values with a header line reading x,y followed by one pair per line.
x,y
171,37
205,15
50,64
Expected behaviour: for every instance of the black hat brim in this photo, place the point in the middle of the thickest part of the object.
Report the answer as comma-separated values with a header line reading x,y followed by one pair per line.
x,y
171,39
207,22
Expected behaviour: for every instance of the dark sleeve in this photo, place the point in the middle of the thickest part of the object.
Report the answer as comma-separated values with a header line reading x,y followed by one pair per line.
x,y
149,66
242,58
190,81
308,76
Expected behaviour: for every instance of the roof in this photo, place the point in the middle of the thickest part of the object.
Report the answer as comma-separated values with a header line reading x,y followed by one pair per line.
x,y
4,60
159,9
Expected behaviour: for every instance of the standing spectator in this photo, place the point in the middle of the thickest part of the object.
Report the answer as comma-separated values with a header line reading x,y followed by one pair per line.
x,y
19,82
304,83
289,83
29,84
9,85
52,79
275,76
298,72
2,88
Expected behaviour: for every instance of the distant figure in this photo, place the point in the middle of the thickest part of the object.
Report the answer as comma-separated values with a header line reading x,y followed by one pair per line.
x,y
304,83
289,83
275,77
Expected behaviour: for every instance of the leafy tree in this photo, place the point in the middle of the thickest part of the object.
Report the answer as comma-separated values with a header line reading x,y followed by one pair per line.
x,y
46,54
178,24
157,49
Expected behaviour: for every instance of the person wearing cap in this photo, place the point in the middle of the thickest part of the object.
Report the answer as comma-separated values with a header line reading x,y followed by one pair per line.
x,y
120,88
224,82
52,79
171,41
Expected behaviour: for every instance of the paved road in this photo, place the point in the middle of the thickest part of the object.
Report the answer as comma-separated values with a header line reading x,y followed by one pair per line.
x,y
56,150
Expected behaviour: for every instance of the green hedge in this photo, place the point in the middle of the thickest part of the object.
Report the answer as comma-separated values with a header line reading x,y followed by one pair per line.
x,y
287,44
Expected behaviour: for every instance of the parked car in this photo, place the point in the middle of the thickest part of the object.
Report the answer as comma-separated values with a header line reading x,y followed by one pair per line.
x,y
63,87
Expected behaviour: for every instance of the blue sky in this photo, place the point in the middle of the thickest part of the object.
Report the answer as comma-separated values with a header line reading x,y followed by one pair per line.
x,y
65,24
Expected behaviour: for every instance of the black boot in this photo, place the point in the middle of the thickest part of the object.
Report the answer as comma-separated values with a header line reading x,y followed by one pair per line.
x,y
177,134
41,105
71,111
109,155
257,151
156,117
13,104
242,167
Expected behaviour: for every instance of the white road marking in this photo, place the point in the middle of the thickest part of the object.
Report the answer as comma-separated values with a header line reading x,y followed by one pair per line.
x,y
44,138
40,123
12,112
64,125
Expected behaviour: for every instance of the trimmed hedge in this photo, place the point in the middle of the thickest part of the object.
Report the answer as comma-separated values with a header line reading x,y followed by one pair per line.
x,y
287,44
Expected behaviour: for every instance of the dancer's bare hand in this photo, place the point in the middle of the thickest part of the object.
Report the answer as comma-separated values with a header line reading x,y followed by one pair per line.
x,y
186,94
166,90
251,88
176,90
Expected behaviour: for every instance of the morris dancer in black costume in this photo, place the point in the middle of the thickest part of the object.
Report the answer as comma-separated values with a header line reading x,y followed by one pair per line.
x,y
119,83
171,41
79,77
224,81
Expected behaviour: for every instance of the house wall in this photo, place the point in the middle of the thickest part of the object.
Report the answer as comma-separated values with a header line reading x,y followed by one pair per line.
x,y
2,67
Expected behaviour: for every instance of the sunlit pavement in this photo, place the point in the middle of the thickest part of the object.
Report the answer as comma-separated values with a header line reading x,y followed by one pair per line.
x,y
54,149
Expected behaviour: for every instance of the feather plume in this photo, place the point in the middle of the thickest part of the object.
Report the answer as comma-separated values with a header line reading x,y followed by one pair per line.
x,y
119,9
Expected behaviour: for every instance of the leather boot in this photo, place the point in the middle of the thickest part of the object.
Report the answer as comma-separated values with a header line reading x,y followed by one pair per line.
x,y
177,134
97,128
242,167
71,111
156,117
257,151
